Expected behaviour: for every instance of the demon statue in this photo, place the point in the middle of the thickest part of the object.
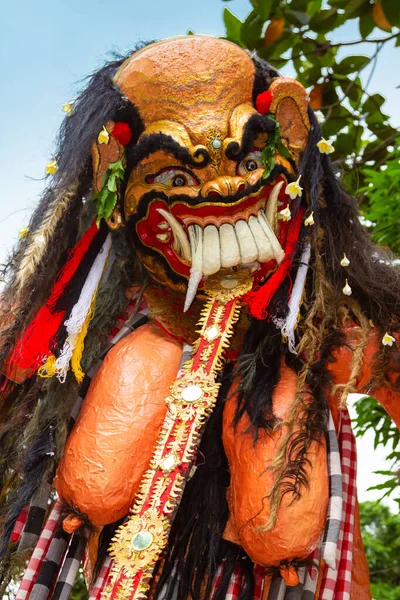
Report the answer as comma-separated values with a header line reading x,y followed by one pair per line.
x,y
184,318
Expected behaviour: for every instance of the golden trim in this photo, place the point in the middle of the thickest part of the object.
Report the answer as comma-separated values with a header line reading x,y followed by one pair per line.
x,y
190,402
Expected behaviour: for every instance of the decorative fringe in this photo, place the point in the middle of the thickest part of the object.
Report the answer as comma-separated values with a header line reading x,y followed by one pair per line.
x,y
259,300
34,346
43,235
78,322
288,325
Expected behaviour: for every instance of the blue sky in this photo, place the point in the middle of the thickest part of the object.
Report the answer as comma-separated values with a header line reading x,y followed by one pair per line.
x,y
46,47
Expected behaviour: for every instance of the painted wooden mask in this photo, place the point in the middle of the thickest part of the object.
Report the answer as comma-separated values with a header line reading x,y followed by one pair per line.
x,y
201,193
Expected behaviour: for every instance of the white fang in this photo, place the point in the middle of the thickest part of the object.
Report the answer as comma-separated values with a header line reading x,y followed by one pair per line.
x,y
181,242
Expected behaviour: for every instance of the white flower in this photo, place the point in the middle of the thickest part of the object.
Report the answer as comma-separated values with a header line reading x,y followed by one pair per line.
x,y
325,146
366,222
285,214
310,220
388,340
104,136
347,289
293,189
345,261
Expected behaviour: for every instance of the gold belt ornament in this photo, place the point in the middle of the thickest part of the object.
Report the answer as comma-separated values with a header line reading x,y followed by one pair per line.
x,y
139,542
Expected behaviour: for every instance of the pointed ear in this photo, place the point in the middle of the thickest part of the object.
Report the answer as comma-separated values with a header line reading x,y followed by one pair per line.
x,y
103,155
290,104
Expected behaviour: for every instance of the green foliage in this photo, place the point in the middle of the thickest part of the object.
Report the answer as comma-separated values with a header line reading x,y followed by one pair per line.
x,y
268,153
382,190
381,537
371,416
107,197
299,32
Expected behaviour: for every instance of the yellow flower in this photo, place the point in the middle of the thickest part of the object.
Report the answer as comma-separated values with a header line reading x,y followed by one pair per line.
x,y
310,219
347,289
104,136
345,261
23,233
285,214
325,146
51,167
388,340
68,106
293,189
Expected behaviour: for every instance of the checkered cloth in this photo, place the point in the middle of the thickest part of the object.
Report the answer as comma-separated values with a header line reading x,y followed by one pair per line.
x,y
49,570
334,518
35,518
70,567
19,525
336,585
100,582
235,583
39,552
52,543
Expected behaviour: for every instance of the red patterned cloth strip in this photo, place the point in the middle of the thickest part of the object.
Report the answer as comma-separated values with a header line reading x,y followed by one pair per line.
x,y
100,582
39,553
235,587
336,585
19,525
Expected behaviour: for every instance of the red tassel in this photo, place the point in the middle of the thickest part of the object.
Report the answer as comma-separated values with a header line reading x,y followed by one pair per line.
x,y
259,300
34,347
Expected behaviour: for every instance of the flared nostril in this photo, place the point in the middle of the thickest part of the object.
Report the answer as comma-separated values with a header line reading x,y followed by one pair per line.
x,y
241,187
214,193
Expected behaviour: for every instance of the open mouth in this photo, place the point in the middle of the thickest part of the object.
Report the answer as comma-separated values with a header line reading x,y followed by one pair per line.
x,y
211,236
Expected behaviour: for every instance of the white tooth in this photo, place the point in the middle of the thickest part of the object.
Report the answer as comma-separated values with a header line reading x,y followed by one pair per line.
x,y
196,244
181,243
265,250
248,248
266,227
272,205
211,251
230,253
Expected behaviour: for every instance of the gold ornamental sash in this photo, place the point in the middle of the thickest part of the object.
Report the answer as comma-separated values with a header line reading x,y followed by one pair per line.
x,y
140,541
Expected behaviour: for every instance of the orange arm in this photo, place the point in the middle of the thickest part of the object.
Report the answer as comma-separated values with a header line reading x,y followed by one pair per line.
x,y
387,396
116,432
299,524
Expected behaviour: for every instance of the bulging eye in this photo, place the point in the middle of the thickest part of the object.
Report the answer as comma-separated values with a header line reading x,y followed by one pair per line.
x,y
173,177
250,163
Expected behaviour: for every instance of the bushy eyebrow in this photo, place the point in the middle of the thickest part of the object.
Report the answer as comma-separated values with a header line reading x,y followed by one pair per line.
x,y
255,125
149,144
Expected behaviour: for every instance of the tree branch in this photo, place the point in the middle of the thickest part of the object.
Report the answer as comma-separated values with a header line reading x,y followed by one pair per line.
x,y
326,45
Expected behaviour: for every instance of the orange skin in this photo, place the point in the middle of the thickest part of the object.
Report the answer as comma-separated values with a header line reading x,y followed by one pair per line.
x,y
299,524
119,424
114,436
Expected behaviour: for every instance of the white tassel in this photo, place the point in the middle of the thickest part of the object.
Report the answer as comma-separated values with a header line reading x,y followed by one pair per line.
x,y
288,325
81,309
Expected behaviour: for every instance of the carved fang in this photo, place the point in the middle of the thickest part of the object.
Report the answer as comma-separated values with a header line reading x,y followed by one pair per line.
x,y
181,243
272,205
196,271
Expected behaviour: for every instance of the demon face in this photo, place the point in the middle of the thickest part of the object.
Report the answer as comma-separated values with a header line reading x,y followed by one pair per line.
x,y
196,202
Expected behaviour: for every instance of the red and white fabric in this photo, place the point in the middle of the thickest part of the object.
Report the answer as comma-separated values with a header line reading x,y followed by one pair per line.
x,y
39,552
97,588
